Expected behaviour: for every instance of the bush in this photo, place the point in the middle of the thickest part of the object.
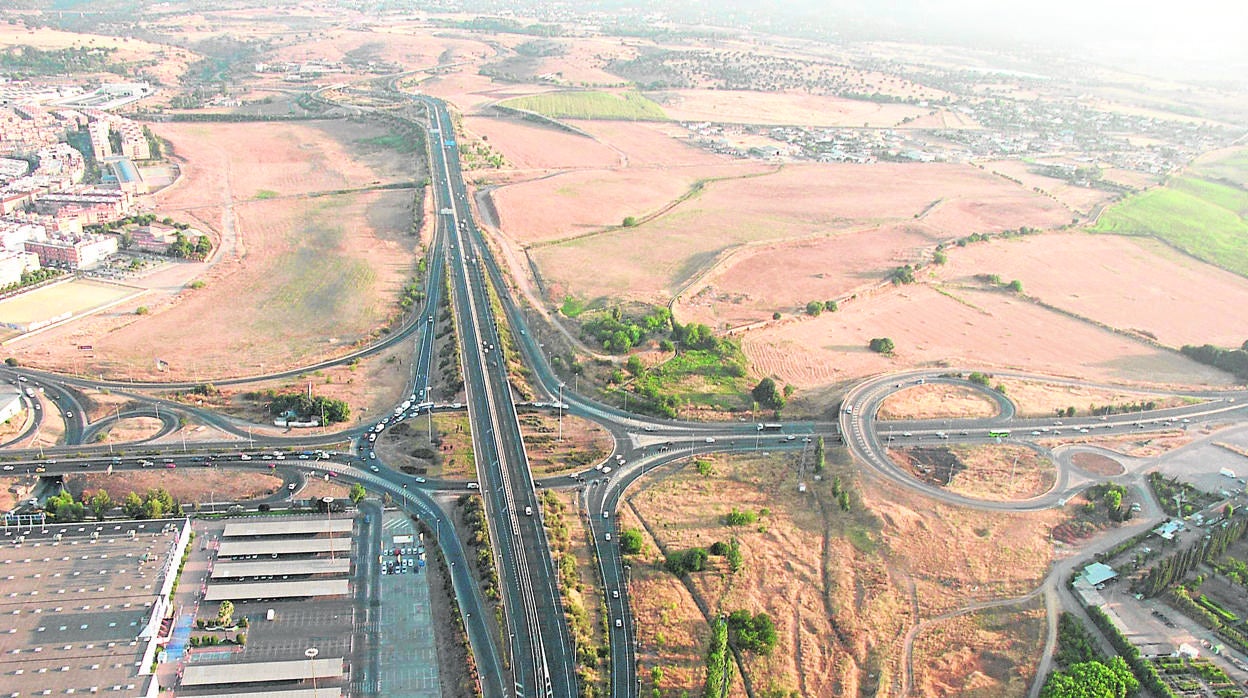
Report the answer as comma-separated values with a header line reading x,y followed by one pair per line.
x,y
882,345
768,395
813,308
682,562
631,541
755,634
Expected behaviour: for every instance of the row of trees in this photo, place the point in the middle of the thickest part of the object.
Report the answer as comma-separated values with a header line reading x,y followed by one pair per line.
x,y
1172,569
1233,361
325,409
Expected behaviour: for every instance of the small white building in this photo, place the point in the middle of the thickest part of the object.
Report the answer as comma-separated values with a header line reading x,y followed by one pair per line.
x,y
10,402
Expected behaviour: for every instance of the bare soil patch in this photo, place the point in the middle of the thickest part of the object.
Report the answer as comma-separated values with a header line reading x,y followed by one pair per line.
x,y
528,146
584,443
994,652
317,487
131,429
937,401
1081,200
187,485
1147,445
169,62
1096,464
650,144
407,447
1040,398
14,488
1132,284
587,201
993,472
971,327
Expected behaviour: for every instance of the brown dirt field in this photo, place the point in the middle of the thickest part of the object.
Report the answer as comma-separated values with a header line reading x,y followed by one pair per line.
x,y
1002,473
579,202
186,485
1097,464
1127,283
586,592
531,147
655,259
584,443
399,44
974,328
744,288
284,157
987,653
171,61
650,144
841,606
1137,446
455,461
937,401
317,487
14,425
1080,199
131,429
732,106
295,260
1042,399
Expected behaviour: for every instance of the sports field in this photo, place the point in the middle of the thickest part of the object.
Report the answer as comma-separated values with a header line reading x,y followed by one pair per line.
x,y
628,106
74,297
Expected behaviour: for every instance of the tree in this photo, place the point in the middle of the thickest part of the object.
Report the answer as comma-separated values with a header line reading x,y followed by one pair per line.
x,y
132,505
100,504
1015,286
225,613
775,316
357,493
830,306
882,345
1092,680
767,394
820,456
751,634
940,257
63,508
813,308
634,365
630,221
631,541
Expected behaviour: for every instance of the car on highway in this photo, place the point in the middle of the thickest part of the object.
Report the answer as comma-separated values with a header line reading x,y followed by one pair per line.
x,y
244,456
615,593
474,486
372,455
528,511
606,469
69,414
419,479
8,467
619,623
906,433
375,469
291,487
608,535
1035,433
171,465
710,439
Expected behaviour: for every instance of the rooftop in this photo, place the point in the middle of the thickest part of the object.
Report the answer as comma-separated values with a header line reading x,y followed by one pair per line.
x,y
277,589
286,527
261,672
239,548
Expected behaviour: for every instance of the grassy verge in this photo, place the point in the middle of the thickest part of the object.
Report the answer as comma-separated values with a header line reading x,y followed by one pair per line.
x,y
628,106
1203,218
579,595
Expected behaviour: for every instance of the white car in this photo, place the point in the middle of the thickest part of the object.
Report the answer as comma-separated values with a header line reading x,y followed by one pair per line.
x,y
474,486
244,456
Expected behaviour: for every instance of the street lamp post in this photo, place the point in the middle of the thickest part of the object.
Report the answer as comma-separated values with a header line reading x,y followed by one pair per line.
x,y
561,412
311,653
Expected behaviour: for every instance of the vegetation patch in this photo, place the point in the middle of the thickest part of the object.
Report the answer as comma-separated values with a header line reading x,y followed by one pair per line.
x,y
1197,216
623,106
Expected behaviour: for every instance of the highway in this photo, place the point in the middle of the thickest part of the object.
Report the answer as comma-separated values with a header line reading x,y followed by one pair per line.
x,y
542,656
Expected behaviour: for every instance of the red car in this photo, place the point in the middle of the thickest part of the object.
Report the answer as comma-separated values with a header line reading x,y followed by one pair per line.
x,y
171,465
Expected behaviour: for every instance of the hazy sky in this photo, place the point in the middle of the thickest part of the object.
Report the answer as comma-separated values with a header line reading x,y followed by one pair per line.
x,y
1213,33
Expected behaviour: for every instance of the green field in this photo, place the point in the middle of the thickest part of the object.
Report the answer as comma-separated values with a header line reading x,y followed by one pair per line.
x,y
76,297
626,106
1231,168
1203,218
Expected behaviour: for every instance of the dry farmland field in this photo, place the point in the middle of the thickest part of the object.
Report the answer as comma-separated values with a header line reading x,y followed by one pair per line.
x,y
964,327
653,260
1130,284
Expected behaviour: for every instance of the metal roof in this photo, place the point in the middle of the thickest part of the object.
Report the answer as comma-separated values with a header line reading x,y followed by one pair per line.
x,y
261,672
1098,572
271,567
297,693
277,589
236,548
286,527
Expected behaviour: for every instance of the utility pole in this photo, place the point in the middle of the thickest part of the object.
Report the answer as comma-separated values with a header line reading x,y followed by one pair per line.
x,y
561,412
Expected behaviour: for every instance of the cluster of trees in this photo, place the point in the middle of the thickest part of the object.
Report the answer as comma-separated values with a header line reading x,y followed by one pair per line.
x,y
718,663
183,248
330,409
30,278
25,60
1166,490
631,541
902,275
740,517
1143,669
1075,644
1092,679
767,394
814,308
1172,569
730,551
821,456
154,504
682,562
472,512
882,345
1233,361
617,332
1110,494
1208,613
841,493
755,633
